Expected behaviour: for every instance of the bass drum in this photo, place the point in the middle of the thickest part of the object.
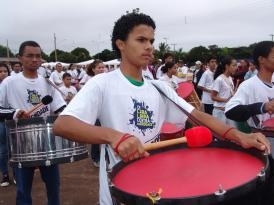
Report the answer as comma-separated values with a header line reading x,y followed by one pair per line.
x,y
222,173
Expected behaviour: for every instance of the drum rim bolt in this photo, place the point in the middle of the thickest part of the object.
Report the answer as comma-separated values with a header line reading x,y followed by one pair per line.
x,y
71,159
47,163
262,172
154,196
220,191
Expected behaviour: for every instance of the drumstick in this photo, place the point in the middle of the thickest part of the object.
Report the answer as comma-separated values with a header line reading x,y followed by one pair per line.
x,y
45,101
56,87
199,136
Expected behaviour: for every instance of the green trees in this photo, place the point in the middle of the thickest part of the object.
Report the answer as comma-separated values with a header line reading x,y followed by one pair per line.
x,y
197,53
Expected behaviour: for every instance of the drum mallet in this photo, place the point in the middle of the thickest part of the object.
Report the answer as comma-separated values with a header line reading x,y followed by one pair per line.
x,y
44,101
199,136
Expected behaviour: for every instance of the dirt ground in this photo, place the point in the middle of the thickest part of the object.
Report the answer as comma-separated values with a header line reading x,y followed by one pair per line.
x,y
79,186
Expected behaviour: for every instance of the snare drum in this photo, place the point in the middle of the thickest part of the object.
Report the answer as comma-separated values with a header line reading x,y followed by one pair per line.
x,y
171,131
211,175
32,143
186,91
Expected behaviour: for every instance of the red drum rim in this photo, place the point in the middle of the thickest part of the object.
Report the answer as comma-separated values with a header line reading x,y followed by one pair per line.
x,y
184,182
185,89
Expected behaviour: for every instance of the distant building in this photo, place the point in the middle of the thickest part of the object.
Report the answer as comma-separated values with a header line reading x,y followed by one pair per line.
x,y
8,60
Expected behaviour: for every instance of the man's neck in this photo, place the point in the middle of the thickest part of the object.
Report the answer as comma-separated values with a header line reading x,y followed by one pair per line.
x,y
265,76
30,74
131,71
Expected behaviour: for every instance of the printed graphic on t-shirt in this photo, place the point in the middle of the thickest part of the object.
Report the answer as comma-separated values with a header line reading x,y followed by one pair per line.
x,y
142,117
33,97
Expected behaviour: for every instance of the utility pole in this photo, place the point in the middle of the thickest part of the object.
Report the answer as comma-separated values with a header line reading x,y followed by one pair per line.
x,y
55,52
272,35
8,53
173,44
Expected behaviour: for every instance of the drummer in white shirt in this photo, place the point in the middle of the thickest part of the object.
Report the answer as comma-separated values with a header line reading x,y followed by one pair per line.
x,y
170,75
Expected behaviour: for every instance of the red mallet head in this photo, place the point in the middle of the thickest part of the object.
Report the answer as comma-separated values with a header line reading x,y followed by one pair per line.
x,y
199,136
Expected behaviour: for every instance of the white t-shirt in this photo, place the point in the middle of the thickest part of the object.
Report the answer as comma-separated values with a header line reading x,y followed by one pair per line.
x,y
74,78
118,104
19,92
147,74
159,72
206,81
71,91
42,71
57,78
85,79
224,87
172,82
252,91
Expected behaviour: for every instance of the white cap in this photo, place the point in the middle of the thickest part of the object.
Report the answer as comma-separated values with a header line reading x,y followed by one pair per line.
x,y
198,62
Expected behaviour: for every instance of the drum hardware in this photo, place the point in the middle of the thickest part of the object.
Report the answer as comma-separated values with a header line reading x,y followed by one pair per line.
x,y
47,163
220,191
261,174
72,159
155,196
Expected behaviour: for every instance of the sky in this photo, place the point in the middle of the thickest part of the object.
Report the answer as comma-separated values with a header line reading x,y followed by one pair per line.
x,y
182,24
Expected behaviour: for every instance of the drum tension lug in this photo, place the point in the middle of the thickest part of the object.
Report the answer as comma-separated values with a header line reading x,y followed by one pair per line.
x,y
72,159
47,163
220,191
19,165
262,174
154,196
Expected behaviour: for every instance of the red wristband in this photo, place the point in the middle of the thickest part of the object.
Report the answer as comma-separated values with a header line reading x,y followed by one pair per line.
x,y
122,139
227,131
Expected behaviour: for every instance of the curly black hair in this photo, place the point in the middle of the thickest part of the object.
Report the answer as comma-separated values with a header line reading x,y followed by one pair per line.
x,y
125,24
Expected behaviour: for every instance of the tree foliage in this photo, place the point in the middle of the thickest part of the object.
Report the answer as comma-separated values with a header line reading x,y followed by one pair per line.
x,y
3,52
81,54
106,55
197,53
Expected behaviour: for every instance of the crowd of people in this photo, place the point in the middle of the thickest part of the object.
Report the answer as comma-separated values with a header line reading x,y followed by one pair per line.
x,y
102,107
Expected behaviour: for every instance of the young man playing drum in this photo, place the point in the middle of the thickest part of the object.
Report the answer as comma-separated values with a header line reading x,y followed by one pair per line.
x,y
253,102
131,110
23,92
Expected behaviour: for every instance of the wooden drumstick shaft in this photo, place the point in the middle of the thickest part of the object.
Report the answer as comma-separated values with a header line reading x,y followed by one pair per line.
x,y
56,87
165,143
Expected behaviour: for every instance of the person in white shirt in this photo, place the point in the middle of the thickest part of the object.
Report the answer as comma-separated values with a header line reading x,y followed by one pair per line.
x,y
168,57
71,71
16,68
169,75
94,68
130,108
223,88
21,93
57,75
253,103
67,89
206,83
252,70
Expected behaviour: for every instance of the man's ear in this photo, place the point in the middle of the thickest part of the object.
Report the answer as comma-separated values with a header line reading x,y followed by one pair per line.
x,y
120,44
261,60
